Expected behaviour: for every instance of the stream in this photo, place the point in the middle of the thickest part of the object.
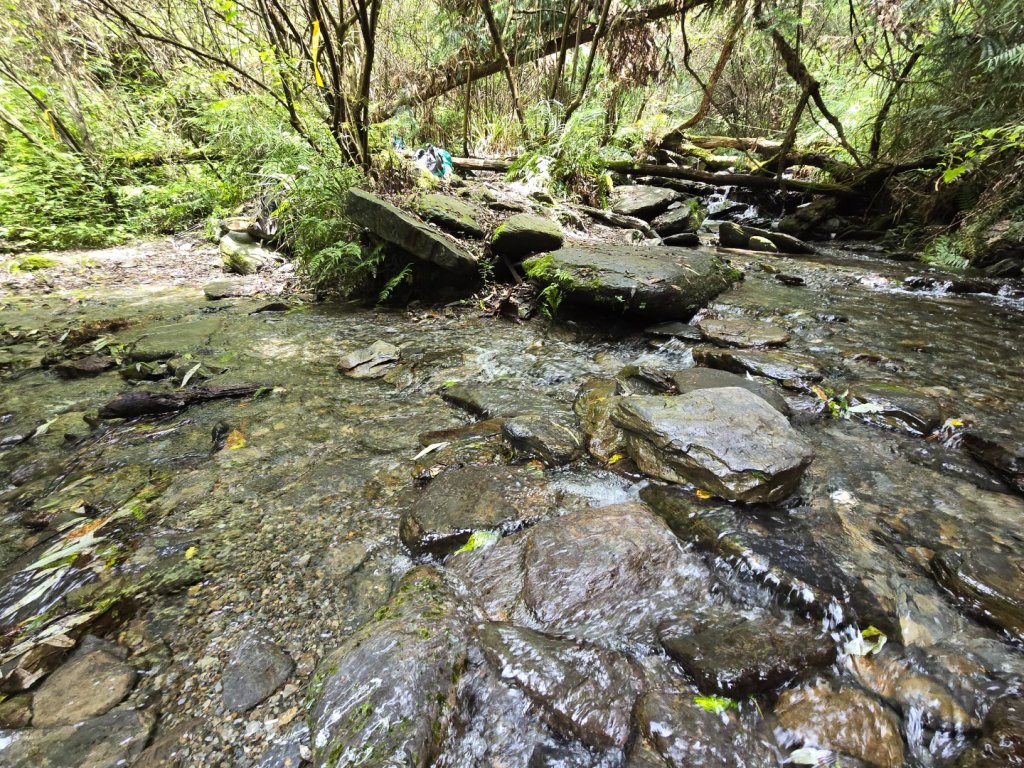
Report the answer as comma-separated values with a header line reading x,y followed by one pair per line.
x,y
243,540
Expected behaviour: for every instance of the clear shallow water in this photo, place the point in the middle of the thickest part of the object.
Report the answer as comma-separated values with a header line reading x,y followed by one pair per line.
x,y
145,530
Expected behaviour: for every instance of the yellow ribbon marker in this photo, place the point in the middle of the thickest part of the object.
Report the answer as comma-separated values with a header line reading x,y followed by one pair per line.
x,y
315,46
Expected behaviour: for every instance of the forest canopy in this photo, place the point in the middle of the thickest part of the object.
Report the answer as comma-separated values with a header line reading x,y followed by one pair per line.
x,y
123,117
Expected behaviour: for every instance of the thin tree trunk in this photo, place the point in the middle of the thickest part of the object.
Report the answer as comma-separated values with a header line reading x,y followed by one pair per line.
x,y
731,35
499,48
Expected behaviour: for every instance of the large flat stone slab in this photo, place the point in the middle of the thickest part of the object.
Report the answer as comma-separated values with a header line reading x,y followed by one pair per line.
x,y
660,283
727,441
397,227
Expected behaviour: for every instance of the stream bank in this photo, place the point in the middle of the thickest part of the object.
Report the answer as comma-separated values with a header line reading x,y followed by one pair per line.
x,y
291,576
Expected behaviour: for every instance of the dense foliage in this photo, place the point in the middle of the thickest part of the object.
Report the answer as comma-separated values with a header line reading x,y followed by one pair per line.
x,y
129,117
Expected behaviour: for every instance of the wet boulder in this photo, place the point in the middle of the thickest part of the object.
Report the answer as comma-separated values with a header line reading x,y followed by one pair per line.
x,y
659,283
687,735
810,220
256,669
609,576
685,217
594,404
1003,741
752,656
585,692
552,438
383,697
450,213
909,691
682,240
675,330
462,501
843,720
84,367
726,441
762,244
397,227
93,681
731,235
740,332
227,289
1002,452
690,379
789,368
895,407
107,741
524,234
778,551
642,201
988,584
242,255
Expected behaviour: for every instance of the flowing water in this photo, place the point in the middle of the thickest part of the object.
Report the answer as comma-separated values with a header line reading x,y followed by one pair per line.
x,y
179,535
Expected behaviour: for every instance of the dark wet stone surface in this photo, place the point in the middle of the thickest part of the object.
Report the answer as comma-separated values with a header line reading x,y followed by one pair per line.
x,y
1003,741
686,735
726,441
371,704
657,283
584,691
593,406
900,407
257,668
789,368
684,218
1003,453
750,656
462,501
988,584
553,438
842,719
776,550
498,400
609,575
642,201
690,379
739,332
83,367
107,741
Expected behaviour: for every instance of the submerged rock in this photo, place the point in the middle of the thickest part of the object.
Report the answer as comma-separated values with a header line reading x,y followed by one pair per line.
x,y
738,332
594,404
371,362
83,367
524,234
843,720
690,379
660,283
462,501
1003,740
901,408
988,584
789,368
1003,453
93,681
395,226
779,552
686,735
108,741
384,696
609,576
256,669
642,201
750,656
726,441
491,401
450,213
584,692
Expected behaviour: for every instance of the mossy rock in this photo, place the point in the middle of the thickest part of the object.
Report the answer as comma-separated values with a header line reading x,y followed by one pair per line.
x,y
524,234
686,217
762,244
34,263
450,213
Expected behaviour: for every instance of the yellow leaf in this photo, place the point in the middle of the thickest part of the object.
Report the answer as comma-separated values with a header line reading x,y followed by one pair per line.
x,y
702,494
954,423
191,552
819,392
314,52
235,440
615,457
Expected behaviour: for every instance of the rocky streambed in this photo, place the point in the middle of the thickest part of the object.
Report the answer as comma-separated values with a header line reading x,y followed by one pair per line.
x,y
241,528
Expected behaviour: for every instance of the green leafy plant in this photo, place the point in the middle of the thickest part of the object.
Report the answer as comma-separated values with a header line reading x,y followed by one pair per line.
x,y
717,704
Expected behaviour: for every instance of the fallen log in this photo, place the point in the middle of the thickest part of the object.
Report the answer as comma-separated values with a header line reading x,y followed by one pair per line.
x,y
480,164
133,404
